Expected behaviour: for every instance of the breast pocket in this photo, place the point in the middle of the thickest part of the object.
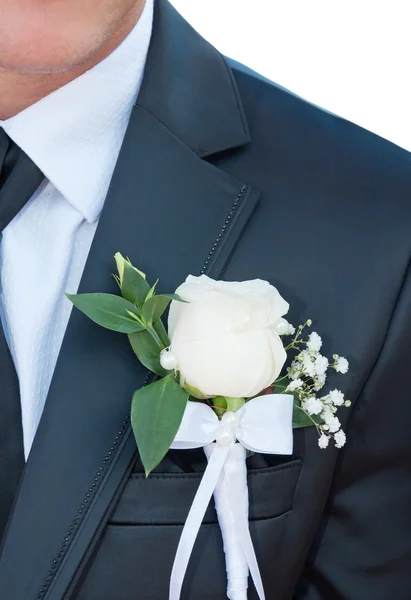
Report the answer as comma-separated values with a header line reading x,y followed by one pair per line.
x,y
137,549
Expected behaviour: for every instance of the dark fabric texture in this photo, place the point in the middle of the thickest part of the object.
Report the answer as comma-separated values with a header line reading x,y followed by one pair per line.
x,y
236,177
19,179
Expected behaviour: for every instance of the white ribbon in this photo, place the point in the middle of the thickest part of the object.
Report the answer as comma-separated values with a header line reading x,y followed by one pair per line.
x,y
262,425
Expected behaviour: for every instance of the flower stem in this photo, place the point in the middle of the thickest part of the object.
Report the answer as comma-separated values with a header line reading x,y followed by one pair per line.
x,y
213,406
309,416
234,404
155,336
280,379
161,332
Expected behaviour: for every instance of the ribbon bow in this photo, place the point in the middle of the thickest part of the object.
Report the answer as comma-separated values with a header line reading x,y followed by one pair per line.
x,y
262,425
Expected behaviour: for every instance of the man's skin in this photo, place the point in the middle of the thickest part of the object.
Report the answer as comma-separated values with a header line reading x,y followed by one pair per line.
x,y
45,44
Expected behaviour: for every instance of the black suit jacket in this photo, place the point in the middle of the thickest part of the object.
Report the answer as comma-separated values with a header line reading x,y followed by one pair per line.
x,y
225,173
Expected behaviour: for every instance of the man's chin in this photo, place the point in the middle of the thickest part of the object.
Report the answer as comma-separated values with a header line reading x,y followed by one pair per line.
x,y
35,63
56,44
36,69
35,51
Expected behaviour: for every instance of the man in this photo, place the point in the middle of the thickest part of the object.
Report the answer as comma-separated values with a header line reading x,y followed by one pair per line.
x,y
221,172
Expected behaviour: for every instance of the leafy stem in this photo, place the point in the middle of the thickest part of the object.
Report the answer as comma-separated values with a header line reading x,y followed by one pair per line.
x,y
155,336
310,417
297,341
213,406
281,379
234,404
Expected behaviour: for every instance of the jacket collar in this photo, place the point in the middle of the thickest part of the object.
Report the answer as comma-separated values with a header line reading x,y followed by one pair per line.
x,y
189,87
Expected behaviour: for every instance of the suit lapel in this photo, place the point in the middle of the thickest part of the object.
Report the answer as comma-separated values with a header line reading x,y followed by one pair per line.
x,y
173,214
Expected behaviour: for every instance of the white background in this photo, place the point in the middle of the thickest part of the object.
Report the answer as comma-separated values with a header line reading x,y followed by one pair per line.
x,y
351,57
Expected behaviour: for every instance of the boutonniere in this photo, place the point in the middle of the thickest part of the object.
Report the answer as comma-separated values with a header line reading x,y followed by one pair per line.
x,y
219,386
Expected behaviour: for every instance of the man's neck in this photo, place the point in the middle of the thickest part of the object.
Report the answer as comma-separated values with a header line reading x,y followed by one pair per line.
x,y
18,90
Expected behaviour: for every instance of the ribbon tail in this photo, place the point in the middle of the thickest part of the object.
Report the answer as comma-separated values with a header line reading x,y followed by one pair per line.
x,y
247,544
195,518
231,502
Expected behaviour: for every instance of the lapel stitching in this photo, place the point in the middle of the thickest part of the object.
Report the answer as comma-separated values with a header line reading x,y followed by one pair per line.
x,y
125,430
118,443
207,266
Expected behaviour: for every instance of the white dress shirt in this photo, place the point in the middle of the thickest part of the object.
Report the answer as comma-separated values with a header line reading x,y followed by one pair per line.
x,y
74,135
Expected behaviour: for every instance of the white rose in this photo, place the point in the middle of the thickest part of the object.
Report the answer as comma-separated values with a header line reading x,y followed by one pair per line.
x,y
224,338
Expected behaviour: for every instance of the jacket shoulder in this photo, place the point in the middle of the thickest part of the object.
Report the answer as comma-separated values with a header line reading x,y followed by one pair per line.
x,y
284,115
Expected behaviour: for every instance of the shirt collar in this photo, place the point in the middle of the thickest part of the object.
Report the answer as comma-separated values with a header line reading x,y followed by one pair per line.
x,y
74,135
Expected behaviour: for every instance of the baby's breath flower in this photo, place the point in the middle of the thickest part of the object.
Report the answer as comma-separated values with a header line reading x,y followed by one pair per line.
x,y
327,412
308,366
331,421
336,397
312,405
300,356
341,365
320,382
295,385
340,439
307,375
320,365
294,371
323,441
314,342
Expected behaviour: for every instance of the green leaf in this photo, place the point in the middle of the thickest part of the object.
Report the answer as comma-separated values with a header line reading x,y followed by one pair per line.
x,y
152,291
134,286
136,318
280,386
175,297
156,414
120,261
117,279
107,310
194,392
301,419
155,307
147,352
161,332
